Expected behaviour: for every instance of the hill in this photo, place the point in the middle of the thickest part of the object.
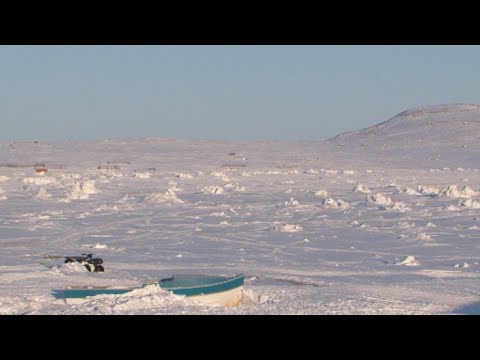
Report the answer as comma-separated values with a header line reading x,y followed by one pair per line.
x,y
449,133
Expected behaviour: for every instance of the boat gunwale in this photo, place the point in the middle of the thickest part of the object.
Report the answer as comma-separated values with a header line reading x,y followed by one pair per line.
x,y
200,286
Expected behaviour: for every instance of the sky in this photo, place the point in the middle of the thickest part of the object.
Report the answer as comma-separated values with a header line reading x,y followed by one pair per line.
x,y
224,93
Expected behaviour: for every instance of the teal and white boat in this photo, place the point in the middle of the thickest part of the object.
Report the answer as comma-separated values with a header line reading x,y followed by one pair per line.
x,y
207,289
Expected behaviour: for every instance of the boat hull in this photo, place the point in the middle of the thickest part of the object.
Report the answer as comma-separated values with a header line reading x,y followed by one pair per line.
x,y
78,296
227,298
204,289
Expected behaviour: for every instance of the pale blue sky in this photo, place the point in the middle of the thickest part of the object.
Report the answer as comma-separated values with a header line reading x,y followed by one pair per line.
x,y
238,93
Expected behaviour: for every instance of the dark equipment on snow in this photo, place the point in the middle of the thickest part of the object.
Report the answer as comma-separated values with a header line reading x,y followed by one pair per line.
x,y
91,264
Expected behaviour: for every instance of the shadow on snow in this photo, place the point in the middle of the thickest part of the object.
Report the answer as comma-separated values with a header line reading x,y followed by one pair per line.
x,y
468,309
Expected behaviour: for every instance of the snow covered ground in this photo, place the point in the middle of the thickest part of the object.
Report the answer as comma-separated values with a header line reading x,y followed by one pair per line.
x,y
381,221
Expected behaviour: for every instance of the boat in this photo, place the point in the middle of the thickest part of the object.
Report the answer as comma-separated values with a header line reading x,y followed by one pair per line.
x,y
227,291
207,289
